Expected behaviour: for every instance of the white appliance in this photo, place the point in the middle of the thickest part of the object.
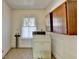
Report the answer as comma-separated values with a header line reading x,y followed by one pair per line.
x,y
41,46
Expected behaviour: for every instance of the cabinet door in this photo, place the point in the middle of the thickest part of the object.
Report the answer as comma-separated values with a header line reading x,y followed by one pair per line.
x,y
59,19
72,17
71,0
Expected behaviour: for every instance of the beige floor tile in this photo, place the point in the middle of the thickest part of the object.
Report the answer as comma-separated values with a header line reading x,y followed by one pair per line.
x,y
19,54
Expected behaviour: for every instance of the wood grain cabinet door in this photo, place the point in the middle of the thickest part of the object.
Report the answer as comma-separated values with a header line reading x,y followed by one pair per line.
x,y
59,20
72,17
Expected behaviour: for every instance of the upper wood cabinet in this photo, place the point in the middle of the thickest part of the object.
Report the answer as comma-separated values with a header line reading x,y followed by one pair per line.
x,y
59,19
65,18
72,17
71,0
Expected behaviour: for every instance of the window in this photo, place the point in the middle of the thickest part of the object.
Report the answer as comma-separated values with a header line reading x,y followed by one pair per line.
x,y
28,27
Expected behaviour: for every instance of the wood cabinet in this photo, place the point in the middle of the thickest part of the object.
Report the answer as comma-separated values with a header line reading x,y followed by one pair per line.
x,y
59,19
71,0
65,18
72,17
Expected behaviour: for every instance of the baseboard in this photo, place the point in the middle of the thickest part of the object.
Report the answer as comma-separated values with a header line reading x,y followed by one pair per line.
x,y
21,48
7,53
53,56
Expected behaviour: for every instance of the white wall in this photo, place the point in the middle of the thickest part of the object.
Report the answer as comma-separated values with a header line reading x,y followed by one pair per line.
x,y
6,14
47,22
64,46
17,17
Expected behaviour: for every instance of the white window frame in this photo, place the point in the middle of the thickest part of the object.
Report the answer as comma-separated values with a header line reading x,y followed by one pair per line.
x,y
28,26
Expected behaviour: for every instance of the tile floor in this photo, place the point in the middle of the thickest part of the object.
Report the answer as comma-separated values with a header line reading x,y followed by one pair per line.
x,y
19,54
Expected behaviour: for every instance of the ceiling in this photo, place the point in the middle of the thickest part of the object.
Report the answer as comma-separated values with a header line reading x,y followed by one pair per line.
x,y
29,4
